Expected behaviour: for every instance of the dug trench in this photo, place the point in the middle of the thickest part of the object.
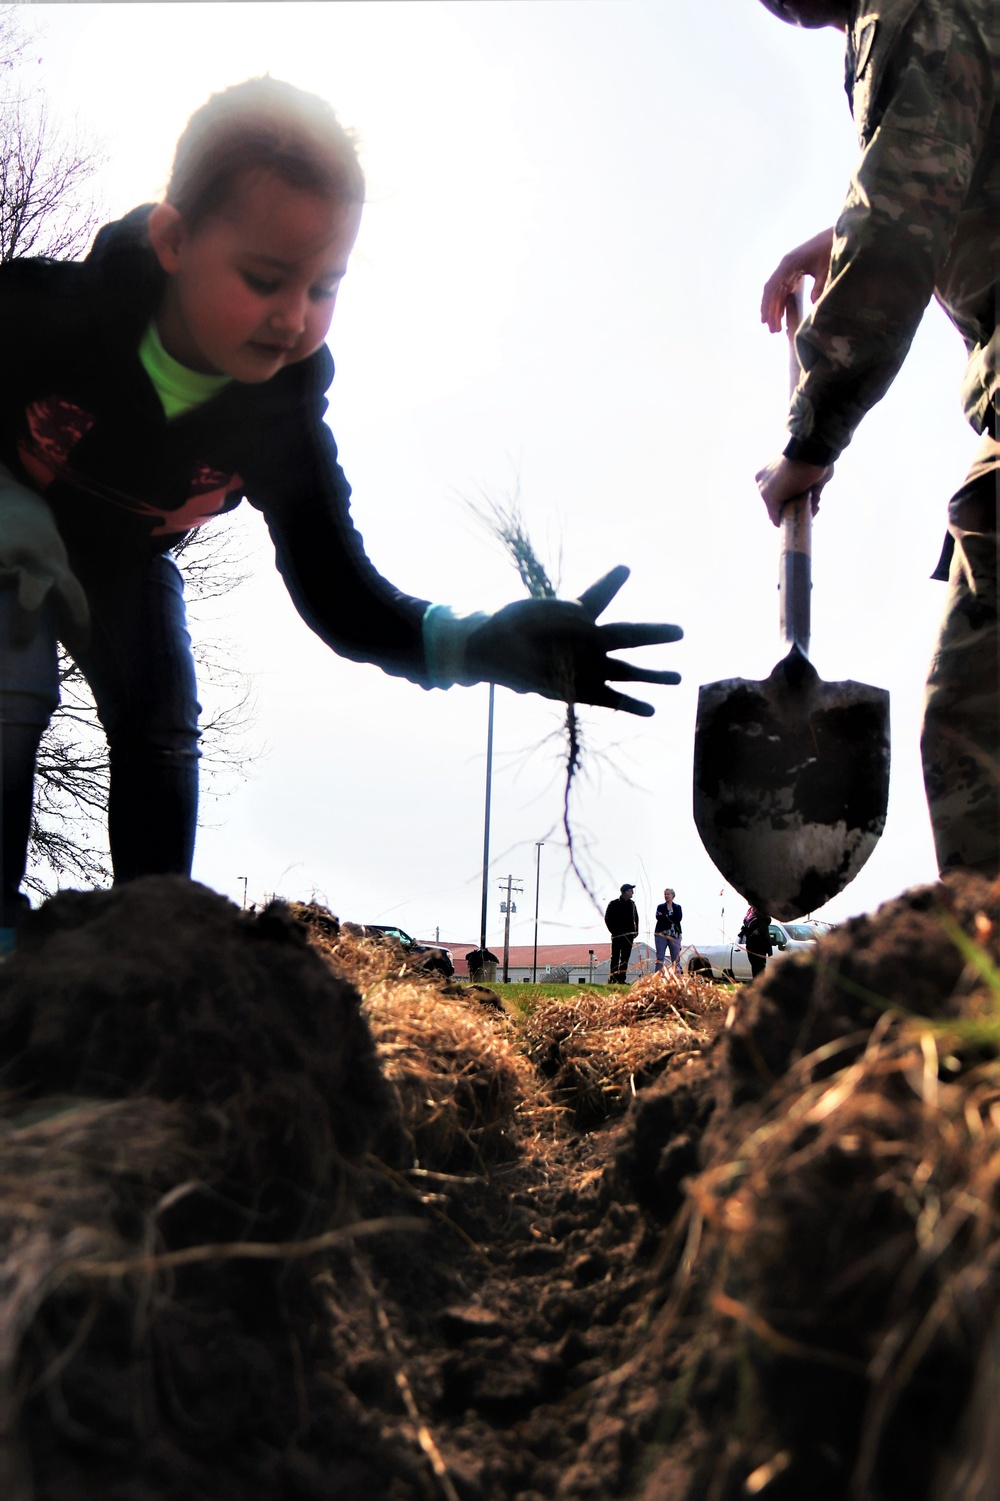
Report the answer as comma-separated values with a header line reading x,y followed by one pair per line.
x,y
281,1218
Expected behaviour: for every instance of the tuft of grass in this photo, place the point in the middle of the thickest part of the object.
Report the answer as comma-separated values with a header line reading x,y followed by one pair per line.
x,y
979,1027
504,520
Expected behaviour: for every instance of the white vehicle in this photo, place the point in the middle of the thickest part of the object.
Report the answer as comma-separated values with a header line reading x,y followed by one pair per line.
x,y
729,961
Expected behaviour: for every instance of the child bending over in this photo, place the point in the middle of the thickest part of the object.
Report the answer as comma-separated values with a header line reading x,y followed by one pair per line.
x,y
180,368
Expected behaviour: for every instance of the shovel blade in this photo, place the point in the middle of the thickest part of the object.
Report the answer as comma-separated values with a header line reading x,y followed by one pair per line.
x,y
791,783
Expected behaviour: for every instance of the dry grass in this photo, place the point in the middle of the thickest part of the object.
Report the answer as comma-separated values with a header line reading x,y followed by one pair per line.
x,y
365,962
461,1085
854,1238
839,1255
467,1081
597,1050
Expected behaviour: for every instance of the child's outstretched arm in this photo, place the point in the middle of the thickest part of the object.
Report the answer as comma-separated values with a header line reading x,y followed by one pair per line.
x,y
34,555
549,646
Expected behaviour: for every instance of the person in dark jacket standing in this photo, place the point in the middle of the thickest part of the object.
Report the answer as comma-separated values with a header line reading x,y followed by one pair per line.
x,y
667,931
180,368
756,934
622,921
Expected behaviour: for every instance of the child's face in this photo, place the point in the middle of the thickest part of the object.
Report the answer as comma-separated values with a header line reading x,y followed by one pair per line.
x,y
252,288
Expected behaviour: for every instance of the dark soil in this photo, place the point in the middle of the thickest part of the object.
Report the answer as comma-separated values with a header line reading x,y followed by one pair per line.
x,y
773,1273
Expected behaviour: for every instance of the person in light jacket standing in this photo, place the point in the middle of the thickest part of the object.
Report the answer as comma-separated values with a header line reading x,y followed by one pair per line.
x,y
622,921
667,931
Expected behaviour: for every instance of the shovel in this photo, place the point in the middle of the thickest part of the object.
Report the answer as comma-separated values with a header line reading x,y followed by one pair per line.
x,y
791,774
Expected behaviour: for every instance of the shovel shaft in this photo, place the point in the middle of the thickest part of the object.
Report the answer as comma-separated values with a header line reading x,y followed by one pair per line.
x,y
795,576
795,567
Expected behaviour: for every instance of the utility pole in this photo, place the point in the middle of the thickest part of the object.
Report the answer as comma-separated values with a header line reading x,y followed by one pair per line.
x,y
244,880
538,867
486,832
507,908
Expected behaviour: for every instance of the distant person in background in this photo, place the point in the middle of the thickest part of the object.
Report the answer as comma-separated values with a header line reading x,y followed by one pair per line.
x,y
482,965
667,931
622,922
756,934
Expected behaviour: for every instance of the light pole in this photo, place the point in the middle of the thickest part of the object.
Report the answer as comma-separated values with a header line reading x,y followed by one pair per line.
x,y
538,867
244,880
591,953
486,832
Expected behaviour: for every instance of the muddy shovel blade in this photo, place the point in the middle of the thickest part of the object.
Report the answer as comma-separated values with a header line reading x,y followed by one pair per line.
x,y
791,783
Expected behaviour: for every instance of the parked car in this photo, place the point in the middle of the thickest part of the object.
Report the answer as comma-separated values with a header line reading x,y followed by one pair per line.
x,y
437,958
729,961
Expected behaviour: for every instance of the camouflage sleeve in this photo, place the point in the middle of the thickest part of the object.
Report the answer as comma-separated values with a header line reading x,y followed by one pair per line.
x,y
922,101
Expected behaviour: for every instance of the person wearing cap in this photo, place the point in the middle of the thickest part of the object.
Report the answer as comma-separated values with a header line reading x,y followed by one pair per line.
x,y
622,922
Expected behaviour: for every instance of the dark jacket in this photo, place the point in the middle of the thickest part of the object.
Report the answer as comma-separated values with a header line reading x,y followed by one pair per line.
x,y
622,918
756,933
669,923
81,423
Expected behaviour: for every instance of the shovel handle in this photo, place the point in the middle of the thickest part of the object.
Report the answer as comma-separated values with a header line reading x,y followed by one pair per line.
x,y
795,577
795,566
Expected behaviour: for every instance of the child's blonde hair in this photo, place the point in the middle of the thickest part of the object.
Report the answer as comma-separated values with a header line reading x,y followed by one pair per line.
x,y
262,125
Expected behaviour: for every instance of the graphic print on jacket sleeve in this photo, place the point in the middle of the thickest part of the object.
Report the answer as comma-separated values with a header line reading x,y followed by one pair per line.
x,y
56,426
209,492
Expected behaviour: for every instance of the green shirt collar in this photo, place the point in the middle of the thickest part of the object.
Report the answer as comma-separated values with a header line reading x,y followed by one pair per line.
x,y
178,388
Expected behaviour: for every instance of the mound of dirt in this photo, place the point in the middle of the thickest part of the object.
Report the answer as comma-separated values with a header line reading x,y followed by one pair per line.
x,y
177,1074
598,1051
682,1244
162,988
458,1084
831,1273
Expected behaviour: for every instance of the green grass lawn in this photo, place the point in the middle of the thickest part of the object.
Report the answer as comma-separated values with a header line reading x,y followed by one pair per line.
x,y
521,999
557,992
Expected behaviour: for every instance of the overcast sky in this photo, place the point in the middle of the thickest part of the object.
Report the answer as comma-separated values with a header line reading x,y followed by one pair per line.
x,y
572,208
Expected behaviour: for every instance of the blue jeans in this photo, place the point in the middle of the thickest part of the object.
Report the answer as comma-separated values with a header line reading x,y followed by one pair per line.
x,y
141,672
662,944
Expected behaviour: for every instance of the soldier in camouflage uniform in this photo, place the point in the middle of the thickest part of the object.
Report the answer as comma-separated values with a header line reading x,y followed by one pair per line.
x,y
922,218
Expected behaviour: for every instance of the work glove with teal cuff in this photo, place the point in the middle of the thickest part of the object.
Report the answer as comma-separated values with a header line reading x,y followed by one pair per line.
x,y
549,646
33,553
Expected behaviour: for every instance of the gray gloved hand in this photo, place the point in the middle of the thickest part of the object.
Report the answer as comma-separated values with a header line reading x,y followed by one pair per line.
x,y
33,553
554,647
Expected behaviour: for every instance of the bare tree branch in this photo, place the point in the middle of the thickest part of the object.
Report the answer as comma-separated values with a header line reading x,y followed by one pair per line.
x,y
46,199
44,207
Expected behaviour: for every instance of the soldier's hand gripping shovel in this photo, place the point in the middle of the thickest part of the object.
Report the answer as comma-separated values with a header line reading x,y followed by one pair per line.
x,y
791,775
